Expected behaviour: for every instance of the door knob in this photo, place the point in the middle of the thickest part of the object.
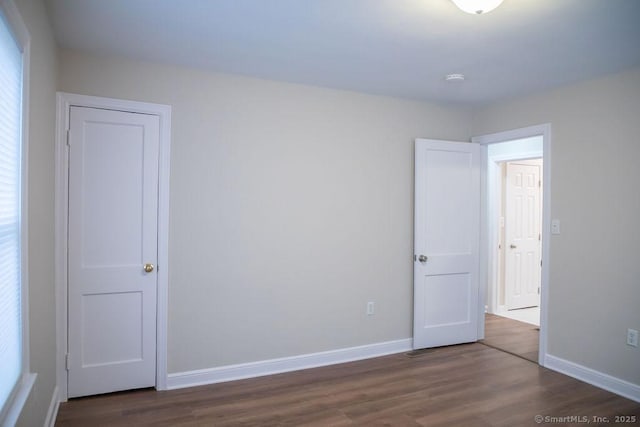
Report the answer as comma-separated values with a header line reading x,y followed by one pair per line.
x,y
512,246
148,268
422,258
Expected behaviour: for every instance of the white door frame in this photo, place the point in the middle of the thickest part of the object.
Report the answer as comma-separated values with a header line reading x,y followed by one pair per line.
x,y
64,102
488,227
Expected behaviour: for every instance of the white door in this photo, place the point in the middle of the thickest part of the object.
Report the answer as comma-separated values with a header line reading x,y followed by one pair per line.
x,y
113,201
522,236
447,235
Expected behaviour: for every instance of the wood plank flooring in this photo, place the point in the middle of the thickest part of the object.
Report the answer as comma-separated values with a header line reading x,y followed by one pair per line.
x,y
465,385
518,338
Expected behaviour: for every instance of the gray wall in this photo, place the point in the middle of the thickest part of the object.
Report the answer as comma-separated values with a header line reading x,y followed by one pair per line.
x,y
595,273
291,207
42,85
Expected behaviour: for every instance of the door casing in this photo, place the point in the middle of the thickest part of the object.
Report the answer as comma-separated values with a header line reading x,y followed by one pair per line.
x,y
64,102
487,228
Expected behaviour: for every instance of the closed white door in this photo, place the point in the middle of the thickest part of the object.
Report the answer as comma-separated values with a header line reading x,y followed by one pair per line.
x,y
522,236
447,235
113,203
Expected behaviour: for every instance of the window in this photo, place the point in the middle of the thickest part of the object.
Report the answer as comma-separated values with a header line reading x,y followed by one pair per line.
x,y
15,382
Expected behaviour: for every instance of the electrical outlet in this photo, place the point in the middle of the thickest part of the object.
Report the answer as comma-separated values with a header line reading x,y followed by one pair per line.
x,y
371,308
632,337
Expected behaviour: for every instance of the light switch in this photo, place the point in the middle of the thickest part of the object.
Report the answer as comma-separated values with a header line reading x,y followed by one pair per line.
x,y
555,226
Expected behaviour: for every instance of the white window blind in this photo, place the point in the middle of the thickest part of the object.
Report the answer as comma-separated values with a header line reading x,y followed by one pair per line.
x,y
10,195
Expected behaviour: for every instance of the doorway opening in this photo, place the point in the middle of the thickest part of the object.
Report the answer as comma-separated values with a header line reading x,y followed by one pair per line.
x,y
518,206
515,240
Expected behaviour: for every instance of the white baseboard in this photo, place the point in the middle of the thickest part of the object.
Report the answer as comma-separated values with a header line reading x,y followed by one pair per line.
x,y
593,377
52,413
285,364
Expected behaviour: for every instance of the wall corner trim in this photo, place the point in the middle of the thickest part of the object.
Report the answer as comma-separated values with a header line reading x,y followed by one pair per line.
x,y
52,413
593,377
285,364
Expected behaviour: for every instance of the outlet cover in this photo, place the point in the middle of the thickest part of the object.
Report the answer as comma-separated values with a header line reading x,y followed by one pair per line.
x,y
632,337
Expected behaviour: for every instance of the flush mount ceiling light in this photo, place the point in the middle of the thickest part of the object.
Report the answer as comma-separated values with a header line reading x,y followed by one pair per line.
x,y
477,7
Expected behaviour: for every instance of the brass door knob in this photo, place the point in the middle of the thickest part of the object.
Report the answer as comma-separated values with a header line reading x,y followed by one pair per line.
x,y
148,268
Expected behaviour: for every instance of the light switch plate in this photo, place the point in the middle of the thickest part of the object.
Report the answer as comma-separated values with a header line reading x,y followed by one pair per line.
x,y
555,226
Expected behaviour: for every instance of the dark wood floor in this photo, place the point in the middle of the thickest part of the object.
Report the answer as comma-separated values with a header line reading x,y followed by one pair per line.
x,y
518,338
465,385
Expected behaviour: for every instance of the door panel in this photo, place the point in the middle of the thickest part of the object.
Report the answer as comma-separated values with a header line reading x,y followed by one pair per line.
x,y
522,235
100,329
446,300
112,156
447,231
446,183
113,201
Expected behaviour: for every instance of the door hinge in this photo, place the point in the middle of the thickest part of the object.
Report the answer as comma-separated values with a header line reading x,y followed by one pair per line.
x,y
539,236
67,363
538,290
539,183
67,137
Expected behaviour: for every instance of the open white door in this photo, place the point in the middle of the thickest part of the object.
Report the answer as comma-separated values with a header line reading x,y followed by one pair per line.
x,y
447,237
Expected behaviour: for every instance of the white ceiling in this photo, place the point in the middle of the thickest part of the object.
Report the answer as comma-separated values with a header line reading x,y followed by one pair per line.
x,y
400,48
